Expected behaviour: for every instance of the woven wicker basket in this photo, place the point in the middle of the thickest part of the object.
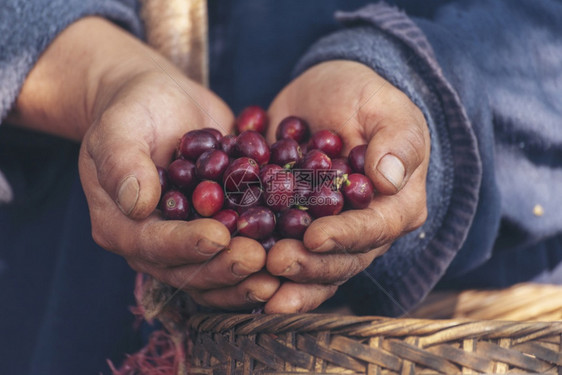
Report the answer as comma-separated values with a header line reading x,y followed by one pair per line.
x,y
328,344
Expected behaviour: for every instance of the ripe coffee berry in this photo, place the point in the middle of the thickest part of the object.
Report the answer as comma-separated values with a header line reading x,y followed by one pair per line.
x,y
229,218
326,141
279,191
217,134
341,166
257,223
357,158
293,222
253,145
294,128
315,160
211,165
302,193
240,174
358,191
286,152
251,197
252,118
181,173
306,178
319,164
268,171
163,177
207,198
174,205
228,145
196,142
325,201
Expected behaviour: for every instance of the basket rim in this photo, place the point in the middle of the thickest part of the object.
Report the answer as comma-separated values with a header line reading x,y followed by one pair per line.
x,y
368,326
286,341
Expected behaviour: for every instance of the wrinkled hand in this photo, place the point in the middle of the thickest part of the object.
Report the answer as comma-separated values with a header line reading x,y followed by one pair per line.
x,y
129,106
362,107
138,124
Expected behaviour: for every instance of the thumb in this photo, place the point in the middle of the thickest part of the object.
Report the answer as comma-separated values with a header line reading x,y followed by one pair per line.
x,y
127,173
394,152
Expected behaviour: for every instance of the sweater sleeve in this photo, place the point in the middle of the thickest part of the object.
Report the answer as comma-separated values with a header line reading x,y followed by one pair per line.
x,y
462,196
27,27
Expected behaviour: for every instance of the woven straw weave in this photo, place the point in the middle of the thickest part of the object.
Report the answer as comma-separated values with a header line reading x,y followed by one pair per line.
x,y
525,302
327,344
480,336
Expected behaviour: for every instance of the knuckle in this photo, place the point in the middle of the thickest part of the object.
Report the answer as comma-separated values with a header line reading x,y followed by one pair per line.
x,y
92,139
350,232
396,100
309,272
106,166
99,236
346,271
146,244
360,262
174,279
144,253
364,260
419,218
414,144
98,135
147,255
417,114
383,233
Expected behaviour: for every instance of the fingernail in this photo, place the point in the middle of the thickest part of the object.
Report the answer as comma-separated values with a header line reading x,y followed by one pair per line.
x,y
128,195
292,270
328,245
207,247
239,270
392,169
252,298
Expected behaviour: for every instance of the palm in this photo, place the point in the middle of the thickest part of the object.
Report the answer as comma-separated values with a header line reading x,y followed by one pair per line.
x,y
138,129
363,108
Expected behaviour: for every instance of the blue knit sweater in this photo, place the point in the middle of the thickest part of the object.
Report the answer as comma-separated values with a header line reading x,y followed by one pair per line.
x,y
486,74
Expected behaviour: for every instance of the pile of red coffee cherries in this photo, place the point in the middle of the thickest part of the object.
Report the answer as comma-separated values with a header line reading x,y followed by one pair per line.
x,y
260,191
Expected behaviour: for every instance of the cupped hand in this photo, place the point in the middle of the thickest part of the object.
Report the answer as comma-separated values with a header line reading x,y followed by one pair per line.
x,y
138,121
363,108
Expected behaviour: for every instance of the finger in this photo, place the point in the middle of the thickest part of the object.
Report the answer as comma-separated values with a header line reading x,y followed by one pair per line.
x,y
298,298
386,218
397,147
290,259
254,290
163,243
154,240
123,163
242,258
